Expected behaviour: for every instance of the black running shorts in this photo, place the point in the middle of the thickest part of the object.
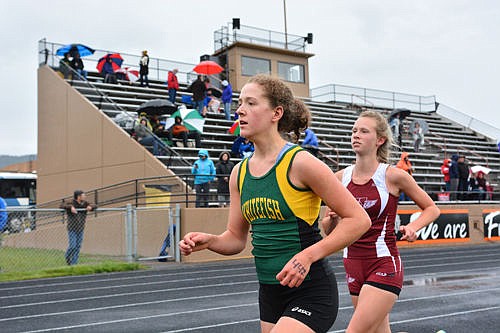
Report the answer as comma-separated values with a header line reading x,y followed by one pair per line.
x,y
315,303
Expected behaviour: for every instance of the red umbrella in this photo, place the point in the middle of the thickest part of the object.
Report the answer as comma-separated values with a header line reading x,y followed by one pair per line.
x,y
208,67
130,74
116,61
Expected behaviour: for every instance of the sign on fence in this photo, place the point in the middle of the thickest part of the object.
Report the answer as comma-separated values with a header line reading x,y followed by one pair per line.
x,y
491,220
451,226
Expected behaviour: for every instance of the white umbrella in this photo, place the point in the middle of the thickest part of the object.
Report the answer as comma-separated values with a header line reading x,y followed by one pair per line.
x,y
477,168
190,118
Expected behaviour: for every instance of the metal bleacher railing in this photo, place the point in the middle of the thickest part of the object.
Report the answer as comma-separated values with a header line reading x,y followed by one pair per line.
x,y
51,59
158,68
344,94
469,122
226,36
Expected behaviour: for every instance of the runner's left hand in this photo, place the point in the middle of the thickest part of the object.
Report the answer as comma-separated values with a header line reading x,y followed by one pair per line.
x,y
408,233
295,271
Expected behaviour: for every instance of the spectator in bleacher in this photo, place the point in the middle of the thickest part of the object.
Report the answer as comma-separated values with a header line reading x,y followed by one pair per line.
x,y
479,185
211,103
77,214
204,171
199,90
246,148
77,65
235,148
418,137
179,131
227,98
172,85
223,169
445,170
144,137
394,124
144,116
453,177
207,83
65,66
144,69
108,72
310,142
463,177
405,165
158,127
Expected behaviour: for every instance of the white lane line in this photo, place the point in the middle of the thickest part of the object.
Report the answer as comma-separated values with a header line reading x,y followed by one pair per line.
x,y
72,291
189,329
341,283
128,305
166,274
204,278
142,318
125,294
418,319
459,313
229,294
407,257
257,319
452,263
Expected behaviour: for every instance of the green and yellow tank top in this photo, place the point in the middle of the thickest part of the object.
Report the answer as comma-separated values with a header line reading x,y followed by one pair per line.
x,y
283,217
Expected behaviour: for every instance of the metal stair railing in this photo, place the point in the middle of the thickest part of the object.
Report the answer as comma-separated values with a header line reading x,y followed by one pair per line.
x,y
103,97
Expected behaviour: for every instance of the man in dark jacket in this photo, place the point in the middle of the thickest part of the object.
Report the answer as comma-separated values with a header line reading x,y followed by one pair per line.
x,y
454,177
77,64
77,214
463,177
223,169
199,90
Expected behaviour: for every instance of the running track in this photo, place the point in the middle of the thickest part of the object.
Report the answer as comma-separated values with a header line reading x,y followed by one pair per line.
x,y
455,289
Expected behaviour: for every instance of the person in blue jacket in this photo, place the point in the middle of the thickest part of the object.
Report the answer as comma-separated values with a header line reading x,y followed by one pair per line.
x,y
310,142
227,98
204,171
3,214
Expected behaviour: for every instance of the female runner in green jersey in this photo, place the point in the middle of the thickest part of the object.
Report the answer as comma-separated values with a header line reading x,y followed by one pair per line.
x,y
278,191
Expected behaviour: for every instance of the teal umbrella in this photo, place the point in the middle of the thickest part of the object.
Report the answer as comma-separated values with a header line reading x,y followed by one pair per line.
x,y
190,118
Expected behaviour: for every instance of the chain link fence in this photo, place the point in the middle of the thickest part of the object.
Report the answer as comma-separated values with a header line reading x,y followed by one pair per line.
x,y
40,239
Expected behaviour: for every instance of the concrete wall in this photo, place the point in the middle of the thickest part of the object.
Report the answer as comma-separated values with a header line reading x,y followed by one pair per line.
x,y
79,146
215,220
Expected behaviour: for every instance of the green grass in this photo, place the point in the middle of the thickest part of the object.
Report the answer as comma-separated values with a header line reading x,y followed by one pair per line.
x,y
29,263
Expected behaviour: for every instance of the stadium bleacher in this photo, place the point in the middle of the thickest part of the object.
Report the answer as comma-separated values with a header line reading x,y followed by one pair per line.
x,y
331,122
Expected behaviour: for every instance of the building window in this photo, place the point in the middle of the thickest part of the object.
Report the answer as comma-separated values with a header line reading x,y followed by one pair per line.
x,y
251,66
291,72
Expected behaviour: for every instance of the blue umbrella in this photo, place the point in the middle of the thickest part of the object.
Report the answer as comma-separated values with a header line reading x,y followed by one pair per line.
x,y
73,48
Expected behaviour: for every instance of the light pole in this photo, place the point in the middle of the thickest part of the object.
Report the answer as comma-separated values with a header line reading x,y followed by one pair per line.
x,y
286,33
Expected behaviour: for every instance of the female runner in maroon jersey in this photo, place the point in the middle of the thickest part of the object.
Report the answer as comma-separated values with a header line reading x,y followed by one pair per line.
x,y
373,267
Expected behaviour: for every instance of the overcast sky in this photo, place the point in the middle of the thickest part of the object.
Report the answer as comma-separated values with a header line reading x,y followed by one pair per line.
x,y
447,48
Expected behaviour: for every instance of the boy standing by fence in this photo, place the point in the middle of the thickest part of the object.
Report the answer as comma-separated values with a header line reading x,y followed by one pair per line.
x,y
77,214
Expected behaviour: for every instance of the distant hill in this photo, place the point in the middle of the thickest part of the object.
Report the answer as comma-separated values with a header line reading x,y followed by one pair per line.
x,y
9,159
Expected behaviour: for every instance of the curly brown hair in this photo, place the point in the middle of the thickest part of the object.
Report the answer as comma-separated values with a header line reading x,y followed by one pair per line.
x,y
296,115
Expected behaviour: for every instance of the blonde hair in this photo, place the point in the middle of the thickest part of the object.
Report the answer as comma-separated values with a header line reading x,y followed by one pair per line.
x,y
383,131
296,115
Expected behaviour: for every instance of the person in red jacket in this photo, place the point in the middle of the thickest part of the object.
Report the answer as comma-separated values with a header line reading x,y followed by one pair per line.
x,y
172,85
445,170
